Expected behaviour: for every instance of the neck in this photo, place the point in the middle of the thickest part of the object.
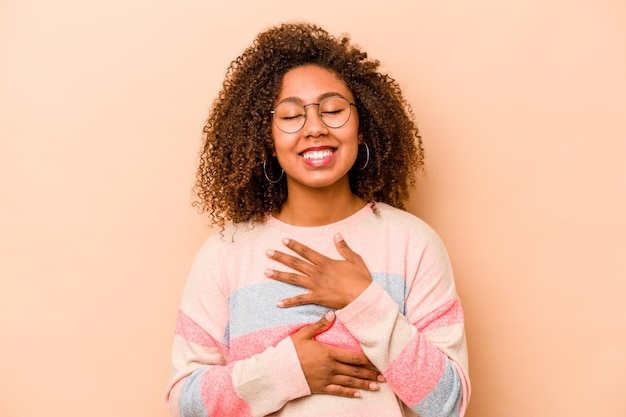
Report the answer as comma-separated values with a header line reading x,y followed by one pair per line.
x,y
318,207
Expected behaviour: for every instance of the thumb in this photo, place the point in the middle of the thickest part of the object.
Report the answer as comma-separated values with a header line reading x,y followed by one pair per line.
x,y
319,326
343,247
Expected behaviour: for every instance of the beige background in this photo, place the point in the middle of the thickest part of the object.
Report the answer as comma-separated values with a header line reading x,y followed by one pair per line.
x,y
522,108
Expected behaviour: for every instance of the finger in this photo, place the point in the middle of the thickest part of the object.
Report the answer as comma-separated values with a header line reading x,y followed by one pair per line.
x,y
358,376
348,386
288,277
320,326
290,261
340,391
351,358
348,381
298,300
304,251
343,247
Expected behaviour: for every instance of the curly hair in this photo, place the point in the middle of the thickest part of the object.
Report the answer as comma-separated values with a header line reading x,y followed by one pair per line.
x,y
230,182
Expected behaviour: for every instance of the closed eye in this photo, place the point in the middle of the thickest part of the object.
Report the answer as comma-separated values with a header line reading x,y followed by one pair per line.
x,y
291,117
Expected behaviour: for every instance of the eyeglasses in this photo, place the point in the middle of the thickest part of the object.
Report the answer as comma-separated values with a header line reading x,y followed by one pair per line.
x,y
334,112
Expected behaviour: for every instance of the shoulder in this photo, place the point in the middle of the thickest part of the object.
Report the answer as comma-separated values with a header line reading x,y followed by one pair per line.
x,y
407,228
232,236
400,218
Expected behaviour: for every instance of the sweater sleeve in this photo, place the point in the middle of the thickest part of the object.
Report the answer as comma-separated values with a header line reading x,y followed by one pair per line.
x,y
204,381
421,353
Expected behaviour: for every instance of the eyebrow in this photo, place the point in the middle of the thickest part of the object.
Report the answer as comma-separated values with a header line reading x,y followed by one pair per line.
x,y
298,100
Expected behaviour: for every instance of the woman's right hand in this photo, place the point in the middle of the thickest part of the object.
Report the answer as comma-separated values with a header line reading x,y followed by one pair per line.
x,y
331,370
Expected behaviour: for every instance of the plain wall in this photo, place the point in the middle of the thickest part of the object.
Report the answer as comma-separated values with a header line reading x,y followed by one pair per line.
x,y
522,109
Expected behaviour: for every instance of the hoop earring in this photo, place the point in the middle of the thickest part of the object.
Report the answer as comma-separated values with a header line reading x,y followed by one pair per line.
x,y
367,161
268,178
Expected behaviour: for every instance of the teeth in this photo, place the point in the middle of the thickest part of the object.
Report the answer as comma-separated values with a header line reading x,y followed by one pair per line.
x,y
317,154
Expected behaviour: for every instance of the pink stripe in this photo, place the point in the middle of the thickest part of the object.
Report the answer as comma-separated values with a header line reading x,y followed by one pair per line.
x,y
226,403
416,371
448,314
252,343
339,336
190,330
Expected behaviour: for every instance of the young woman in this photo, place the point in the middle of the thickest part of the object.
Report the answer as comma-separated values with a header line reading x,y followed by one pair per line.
x,y
319,296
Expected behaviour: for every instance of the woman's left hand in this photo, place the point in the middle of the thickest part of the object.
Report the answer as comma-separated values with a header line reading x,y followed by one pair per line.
x,y
331,283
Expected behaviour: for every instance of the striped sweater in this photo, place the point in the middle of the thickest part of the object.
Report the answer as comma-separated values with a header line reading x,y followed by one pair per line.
x,y
232,354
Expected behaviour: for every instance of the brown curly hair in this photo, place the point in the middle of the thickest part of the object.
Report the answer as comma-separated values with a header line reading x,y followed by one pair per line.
x,y
230,183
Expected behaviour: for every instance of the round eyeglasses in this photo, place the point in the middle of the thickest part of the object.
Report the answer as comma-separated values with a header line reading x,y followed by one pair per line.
x,y
334,112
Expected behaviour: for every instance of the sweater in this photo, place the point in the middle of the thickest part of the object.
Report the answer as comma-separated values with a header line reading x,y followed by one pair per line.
x,y
232,355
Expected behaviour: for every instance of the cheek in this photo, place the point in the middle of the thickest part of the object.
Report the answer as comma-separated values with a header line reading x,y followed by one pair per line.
x,y
351,140
355,152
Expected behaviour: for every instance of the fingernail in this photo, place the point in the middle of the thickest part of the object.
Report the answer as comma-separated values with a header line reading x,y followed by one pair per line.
x,y
269,272
285,241
373,386
338,237
269,253
330,315
381,378
357,394
280,304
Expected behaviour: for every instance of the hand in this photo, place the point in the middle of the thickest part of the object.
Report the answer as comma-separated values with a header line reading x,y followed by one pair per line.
x,y
331,370
331,283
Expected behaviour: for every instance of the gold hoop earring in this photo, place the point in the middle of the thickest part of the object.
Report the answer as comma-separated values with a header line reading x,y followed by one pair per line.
x,y
268,178
367,161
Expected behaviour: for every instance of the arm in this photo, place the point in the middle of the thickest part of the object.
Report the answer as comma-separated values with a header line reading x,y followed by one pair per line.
x,y
423,355
423,352
421,365
250,387
264,383
205,381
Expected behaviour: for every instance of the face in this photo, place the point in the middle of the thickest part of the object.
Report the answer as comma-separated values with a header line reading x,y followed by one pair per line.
x,y
316,156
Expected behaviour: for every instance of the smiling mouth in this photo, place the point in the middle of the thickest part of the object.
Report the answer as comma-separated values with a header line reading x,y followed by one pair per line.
x,y
321,154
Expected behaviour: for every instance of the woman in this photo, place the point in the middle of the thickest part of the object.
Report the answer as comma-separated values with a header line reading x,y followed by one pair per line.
x,y
319,296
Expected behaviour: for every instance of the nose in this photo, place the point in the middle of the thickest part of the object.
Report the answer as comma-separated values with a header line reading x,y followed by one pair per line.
x,y
313,124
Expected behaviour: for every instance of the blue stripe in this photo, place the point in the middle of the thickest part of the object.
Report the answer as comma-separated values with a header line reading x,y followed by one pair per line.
x,y
445,398
253,308
396,287
190,402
